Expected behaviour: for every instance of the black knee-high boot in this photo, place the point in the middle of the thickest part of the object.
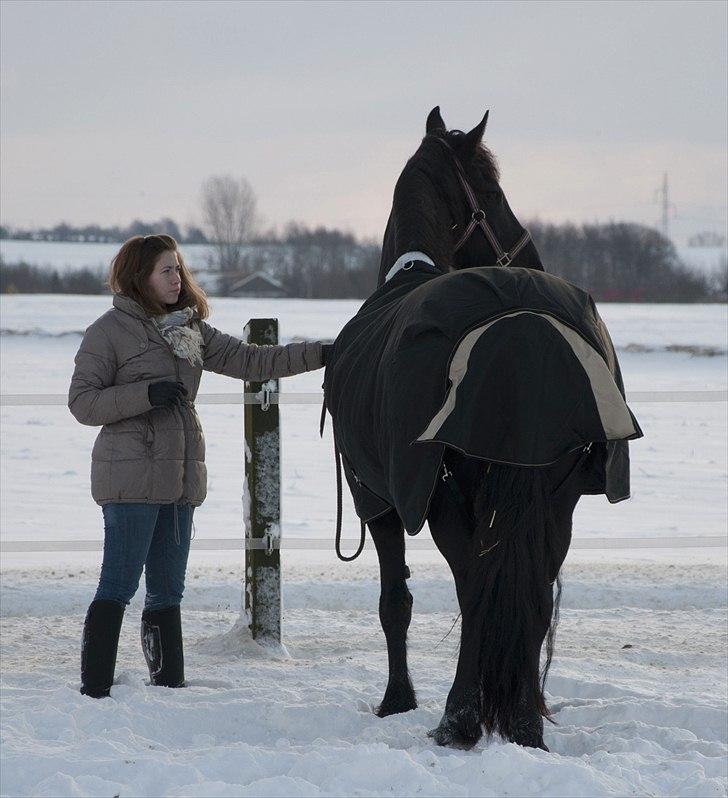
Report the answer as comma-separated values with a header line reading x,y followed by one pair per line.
x,y
98,647
162,646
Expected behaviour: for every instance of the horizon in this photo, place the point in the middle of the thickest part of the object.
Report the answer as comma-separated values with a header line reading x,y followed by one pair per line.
x,y
320,105
278,234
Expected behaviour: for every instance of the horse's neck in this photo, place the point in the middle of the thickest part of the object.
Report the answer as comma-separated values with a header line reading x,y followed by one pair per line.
x,y
404,261
413,232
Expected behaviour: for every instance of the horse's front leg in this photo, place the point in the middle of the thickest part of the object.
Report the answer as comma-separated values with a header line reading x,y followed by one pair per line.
x,y
395,612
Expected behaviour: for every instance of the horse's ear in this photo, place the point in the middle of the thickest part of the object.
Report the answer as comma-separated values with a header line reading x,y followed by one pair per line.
x,y
434,122
472,140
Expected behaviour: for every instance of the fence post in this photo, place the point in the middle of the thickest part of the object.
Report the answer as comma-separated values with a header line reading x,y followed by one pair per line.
x,y
262,498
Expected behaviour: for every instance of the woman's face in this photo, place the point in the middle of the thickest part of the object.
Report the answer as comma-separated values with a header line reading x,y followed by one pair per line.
x,y
165,281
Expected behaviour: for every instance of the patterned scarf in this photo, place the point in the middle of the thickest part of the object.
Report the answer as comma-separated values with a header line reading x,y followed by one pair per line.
x,y
185,341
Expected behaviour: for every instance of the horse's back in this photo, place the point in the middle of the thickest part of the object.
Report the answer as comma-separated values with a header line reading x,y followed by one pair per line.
x,y
507,365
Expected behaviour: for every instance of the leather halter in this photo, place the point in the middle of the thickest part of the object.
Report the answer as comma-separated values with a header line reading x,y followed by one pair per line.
x,y
477,217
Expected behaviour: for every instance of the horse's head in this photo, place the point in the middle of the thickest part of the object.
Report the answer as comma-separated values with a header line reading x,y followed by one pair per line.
x,y
440,200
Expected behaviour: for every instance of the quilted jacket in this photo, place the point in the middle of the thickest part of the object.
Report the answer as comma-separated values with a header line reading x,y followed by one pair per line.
x,y
157,454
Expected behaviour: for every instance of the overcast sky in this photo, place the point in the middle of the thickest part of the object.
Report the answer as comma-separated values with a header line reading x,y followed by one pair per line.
x,y
118,110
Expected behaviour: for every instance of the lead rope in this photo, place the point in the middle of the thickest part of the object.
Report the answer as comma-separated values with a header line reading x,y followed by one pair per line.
x,y
339,500
339,509
322,421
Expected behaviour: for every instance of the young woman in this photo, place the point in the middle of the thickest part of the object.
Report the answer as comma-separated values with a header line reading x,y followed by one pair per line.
x,y
137,374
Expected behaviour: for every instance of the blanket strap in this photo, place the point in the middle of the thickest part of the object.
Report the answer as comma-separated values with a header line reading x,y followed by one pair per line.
x,y
339,509
455,493
572,471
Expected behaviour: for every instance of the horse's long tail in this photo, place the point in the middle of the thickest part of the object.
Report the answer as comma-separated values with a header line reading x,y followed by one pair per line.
x,y
509,594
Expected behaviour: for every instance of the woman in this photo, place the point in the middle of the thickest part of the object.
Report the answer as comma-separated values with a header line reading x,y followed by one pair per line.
x,y
137,374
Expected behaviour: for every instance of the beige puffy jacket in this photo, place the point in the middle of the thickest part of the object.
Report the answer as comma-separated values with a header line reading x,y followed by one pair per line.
x,y
157,454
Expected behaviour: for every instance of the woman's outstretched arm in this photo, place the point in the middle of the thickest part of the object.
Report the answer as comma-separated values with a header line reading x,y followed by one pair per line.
x,y
225,354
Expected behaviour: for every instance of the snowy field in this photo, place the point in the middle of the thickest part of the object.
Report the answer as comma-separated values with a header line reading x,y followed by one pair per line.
x,y
637,689
638,685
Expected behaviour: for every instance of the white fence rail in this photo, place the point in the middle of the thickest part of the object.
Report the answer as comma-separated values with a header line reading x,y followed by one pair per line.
x,y
298,398
235,544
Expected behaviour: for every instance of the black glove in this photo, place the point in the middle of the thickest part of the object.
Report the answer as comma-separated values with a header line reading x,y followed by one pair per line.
x,y
325,352
166,394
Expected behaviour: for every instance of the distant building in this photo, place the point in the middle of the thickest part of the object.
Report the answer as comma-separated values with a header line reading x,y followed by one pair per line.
x,y
707,238
257,284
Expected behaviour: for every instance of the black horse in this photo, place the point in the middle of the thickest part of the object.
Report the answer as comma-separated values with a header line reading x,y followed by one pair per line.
x,y
503,528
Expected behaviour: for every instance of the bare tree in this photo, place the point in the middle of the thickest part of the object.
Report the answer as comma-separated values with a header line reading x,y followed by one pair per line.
x,y
229,211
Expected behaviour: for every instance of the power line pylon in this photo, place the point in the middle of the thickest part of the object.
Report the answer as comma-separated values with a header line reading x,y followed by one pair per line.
x,y
662,196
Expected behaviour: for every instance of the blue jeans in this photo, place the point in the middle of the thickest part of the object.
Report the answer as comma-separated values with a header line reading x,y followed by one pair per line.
x,y
152,537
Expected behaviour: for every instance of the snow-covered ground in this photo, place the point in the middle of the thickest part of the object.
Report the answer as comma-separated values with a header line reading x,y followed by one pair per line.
x,y
638,685
637,688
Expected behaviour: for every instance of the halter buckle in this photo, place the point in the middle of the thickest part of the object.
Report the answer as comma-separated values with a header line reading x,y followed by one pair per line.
x,y
504,260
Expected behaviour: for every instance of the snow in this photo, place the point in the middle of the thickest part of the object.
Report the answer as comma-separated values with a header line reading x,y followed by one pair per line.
x,y
267,486
645,720
638,685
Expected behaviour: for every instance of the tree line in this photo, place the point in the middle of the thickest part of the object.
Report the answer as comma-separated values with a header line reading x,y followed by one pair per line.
x,y
94,233
614,262
618,261
623,261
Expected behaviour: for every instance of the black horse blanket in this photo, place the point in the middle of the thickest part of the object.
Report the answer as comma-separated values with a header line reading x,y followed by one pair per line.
x,y
510,365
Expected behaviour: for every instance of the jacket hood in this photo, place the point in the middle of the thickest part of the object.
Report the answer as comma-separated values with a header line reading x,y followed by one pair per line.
x,y
132,307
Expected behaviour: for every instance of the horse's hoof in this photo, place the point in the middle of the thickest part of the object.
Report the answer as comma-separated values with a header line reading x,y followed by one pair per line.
x,y
448,736
391,708
529,732
461,730
396,701
533,744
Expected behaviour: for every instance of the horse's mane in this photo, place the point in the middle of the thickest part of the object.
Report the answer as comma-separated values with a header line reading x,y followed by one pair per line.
x,y
418,220
482,158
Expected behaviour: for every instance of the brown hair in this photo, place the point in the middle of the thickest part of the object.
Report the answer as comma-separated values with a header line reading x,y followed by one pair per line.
x,y
134,263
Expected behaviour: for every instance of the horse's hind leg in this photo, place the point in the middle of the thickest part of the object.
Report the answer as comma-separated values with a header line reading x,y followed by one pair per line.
x,y
395,612
460,725
528,723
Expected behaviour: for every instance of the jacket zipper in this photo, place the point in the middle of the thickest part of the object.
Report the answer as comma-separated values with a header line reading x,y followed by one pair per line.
x,y
184,431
